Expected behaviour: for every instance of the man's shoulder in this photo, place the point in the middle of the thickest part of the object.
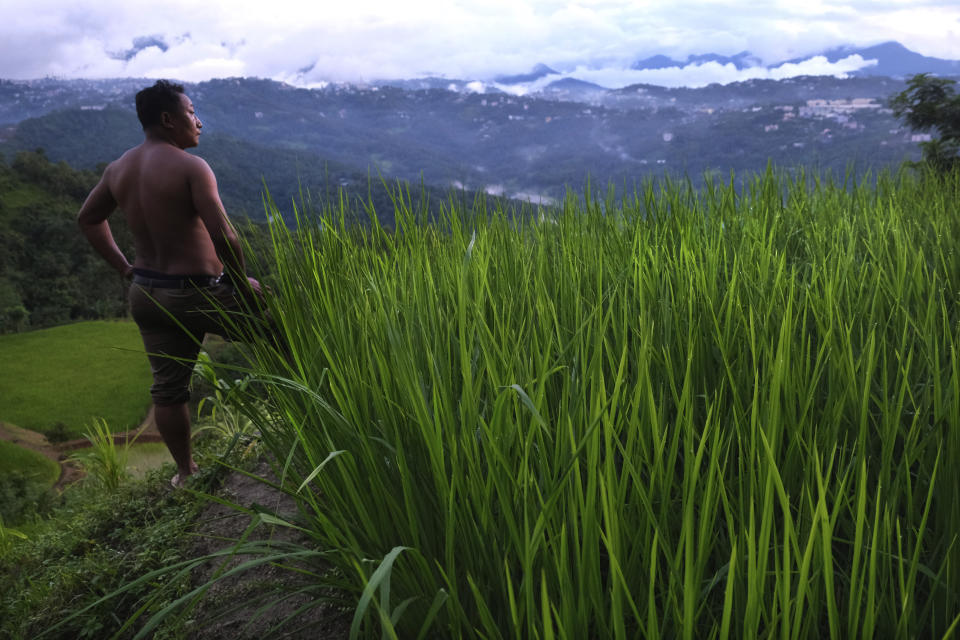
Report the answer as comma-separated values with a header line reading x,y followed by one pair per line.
x,y
186,158
170,156
195,165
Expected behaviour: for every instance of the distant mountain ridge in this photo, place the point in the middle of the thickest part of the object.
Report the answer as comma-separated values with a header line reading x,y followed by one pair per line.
x,y
742,60
539,71
892,59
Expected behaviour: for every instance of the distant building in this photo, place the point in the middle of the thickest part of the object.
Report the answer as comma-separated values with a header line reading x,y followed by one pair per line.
x,y
819,107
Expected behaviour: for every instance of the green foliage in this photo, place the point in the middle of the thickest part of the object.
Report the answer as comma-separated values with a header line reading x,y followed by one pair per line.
x,y
218,411
683,414
23,497
70,374
932,104
95,541
115,130
48,273
26,478
7,536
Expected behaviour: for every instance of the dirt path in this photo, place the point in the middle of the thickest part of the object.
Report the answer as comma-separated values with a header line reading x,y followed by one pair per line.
x,y
233,602
71,472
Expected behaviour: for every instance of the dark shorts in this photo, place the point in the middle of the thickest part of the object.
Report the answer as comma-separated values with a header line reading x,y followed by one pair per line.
x,y
173,323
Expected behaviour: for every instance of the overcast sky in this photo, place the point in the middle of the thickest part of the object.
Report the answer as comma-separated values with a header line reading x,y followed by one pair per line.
x,y
314,41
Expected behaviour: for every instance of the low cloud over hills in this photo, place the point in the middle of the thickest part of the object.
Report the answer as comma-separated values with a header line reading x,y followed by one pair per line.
x,y
888,59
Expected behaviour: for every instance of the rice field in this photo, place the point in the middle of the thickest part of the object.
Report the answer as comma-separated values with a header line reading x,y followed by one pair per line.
x,y
73,373
730,412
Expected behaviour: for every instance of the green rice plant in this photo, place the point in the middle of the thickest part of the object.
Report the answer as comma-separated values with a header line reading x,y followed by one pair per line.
x,y
730,412
105,462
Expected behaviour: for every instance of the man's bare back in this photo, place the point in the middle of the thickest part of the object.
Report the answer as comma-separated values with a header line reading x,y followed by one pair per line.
x,y
171,203
152,186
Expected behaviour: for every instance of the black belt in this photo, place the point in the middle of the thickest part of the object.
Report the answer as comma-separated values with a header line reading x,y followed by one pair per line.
x,y
176,282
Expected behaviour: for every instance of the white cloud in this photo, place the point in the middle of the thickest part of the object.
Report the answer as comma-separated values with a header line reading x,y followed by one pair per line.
x,y
371,39
698,75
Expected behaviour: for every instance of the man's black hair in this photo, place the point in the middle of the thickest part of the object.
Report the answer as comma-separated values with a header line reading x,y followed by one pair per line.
x,y
152,101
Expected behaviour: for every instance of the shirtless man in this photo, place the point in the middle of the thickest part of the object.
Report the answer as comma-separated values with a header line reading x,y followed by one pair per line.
x,y
183,243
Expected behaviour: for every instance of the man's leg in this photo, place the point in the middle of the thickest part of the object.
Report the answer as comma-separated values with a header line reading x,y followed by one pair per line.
x,y
173,423
171,349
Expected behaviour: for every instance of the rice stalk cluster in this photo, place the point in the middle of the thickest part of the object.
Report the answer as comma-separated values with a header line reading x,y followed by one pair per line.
x,y
729,412
104,461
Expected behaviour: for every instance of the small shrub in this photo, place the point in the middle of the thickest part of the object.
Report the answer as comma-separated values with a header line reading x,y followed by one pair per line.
x,y
104,461
57,433
22,496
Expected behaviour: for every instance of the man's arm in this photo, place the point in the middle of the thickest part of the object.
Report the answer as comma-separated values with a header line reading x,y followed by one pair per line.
x,y
206,201
92,219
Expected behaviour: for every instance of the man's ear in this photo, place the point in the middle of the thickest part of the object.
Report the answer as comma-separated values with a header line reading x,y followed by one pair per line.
x,y
166,120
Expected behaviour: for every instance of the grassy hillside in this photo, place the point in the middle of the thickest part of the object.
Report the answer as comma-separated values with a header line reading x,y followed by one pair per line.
x,y
93,541
70,374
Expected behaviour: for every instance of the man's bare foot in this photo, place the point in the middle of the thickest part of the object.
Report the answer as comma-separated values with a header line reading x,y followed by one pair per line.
x,y
179,480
